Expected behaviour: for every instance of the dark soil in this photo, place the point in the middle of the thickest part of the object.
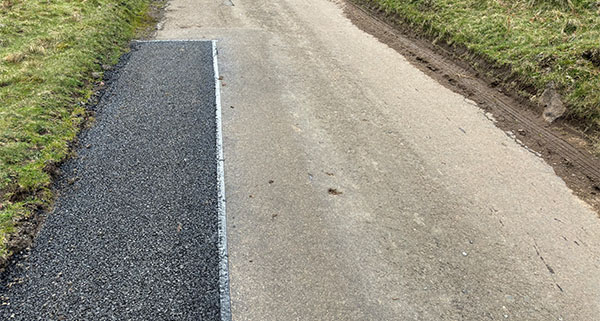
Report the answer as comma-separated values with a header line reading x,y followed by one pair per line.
x,y
152,23
593,55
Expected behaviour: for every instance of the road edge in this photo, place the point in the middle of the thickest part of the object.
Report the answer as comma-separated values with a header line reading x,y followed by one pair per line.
x,y
225,299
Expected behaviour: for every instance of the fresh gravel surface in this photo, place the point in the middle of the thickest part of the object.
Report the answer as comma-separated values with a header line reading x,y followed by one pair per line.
x,y
134,232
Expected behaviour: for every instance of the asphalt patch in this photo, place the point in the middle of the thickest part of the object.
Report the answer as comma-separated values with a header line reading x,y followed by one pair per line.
x,y
134,233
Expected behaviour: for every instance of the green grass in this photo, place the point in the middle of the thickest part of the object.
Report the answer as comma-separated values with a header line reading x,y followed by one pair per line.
x,y
48,52
542,41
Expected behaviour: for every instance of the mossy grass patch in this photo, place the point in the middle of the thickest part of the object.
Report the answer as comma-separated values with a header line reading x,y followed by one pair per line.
x,y
51,53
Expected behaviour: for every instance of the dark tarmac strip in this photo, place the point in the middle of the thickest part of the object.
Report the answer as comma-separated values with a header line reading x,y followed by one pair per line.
x,y
134,234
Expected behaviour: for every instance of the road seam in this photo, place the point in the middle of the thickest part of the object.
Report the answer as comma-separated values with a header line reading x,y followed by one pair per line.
x,y
224,290
223,258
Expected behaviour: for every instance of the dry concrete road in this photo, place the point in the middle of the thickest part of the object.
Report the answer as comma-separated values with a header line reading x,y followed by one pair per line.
x,y
433,212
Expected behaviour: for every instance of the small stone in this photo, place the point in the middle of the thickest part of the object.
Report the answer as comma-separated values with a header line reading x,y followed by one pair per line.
x,y
552,104
470,102
491,117
96,75
464,253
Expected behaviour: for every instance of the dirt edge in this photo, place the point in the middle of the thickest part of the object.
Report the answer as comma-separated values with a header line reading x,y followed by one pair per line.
x,y
495,89
26,228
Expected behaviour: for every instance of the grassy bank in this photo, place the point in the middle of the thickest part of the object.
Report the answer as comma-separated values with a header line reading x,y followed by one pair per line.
x,y
51,53
541,41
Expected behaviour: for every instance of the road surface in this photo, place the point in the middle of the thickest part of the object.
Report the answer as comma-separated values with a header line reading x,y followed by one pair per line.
x,y
358,188
361,189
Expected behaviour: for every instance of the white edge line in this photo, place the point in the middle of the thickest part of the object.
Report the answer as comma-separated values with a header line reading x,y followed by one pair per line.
x,y
223,257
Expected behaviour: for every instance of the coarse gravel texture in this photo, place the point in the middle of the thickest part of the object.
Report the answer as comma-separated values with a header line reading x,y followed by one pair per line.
x,y
134,234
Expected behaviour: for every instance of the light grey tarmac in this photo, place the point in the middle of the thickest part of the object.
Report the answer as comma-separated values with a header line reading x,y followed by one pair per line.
x,y
441,215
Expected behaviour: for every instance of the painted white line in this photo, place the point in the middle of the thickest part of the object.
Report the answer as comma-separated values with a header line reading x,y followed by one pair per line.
x,y
223,258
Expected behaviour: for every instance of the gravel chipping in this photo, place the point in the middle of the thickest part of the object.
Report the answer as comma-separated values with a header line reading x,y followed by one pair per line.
x,y
134,232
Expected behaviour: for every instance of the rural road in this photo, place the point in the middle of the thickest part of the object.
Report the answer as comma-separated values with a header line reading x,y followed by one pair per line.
x,y
441,215
358,188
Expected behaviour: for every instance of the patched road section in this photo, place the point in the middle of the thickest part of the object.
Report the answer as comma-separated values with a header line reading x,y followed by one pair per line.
x,y
135,231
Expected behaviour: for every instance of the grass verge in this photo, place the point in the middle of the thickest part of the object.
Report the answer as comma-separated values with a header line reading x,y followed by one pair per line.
x,y
51,54
539,42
